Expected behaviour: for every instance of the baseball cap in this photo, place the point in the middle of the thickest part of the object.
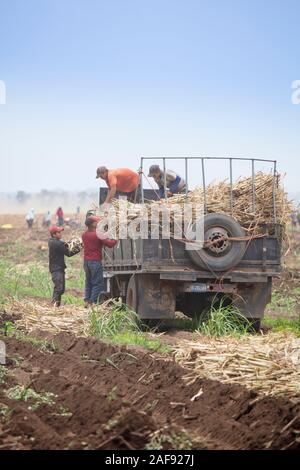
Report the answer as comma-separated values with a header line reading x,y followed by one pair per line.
x,y
55,229
153,169
91,219
100,169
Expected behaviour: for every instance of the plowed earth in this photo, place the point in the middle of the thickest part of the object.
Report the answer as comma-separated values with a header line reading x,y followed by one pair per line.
x,y
116,397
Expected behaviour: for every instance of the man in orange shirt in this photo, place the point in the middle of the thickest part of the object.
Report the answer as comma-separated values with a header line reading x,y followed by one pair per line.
x,y
120,181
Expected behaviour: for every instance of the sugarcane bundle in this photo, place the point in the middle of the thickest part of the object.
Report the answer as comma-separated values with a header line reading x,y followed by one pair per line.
x,y
74,246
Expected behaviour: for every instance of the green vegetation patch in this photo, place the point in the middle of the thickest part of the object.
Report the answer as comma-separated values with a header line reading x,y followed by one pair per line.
x,y
224,321
166,439
141,339
21,280
3,373
123,326
9,329
32,279
286,301
5,413
283,324
22,393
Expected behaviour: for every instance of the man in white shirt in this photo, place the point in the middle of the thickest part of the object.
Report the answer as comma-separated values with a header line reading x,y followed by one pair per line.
x,y
30,218
174,183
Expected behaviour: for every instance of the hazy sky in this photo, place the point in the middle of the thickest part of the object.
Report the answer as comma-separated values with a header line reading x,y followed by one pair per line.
x,y
91,82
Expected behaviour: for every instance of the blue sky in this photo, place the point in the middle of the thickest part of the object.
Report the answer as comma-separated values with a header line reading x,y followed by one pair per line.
x,y
103,82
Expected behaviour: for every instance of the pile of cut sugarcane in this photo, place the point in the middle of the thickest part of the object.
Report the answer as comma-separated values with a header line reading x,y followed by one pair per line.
x,y
34,315
250,204
269,364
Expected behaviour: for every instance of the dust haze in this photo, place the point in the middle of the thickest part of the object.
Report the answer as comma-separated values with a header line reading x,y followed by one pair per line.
x,y
21,202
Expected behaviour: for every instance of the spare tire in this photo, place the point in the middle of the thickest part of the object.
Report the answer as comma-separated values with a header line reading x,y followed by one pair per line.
x,y
223,255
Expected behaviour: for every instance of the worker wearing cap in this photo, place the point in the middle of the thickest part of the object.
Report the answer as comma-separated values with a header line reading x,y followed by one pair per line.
x,y
92,245
174,183
57,252
121,181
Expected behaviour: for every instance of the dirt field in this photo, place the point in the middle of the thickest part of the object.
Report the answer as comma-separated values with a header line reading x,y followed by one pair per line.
x,y
116,397
64,392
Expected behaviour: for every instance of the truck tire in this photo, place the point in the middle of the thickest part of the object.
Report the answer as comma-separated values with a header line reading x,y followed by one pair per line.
x,y
224,255
252,299
150,298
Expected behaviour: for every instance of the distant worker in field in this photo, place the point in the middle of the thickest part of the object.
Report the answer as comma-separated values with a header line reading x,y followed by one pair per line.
x,y
30,218
92,245
294,220
57,252
60,217
47,219
174,183
121,181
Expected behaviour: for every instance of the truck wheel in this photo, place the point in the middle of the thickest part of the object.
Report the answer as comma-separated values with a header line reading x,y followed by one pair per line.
x,y
222,255
252,299
150,298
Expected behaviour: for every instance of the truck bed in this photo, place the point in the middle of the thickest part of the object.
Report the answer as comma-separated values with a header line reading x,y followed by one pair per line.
x,y
262,258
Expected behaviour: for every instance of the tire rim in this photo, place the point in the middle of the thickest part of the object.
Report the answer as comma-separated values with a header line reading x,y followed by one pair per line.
x,y
217,248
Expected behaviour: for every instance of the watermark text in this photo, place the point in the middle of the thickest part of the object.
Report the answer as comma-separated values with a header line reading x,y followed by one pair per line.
x,y
183,222
296,93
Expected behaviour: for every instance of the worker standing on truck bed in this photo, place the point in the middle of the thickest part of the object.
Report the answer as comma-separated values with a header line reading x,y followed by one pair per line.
x,y
57,252
174,183
92,245
121,181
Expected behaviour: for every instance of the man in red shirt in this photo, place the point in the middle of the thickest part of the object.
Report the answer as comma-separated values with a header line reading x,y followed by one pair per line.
x,y
120,181
92,246
60,217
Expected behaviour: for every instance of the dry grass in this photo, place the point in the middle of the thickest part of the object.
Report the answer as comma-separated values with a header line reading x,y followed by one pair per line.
x,y
269,364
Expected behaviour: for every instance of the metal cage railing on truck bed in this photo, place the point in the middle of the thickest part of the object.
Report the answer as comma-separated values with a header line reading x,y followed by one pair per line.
x,y
230,164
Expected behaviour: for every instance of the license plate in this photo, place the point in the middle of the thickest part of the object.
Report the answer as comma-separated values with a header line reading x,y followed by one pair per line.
x,y
198,288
